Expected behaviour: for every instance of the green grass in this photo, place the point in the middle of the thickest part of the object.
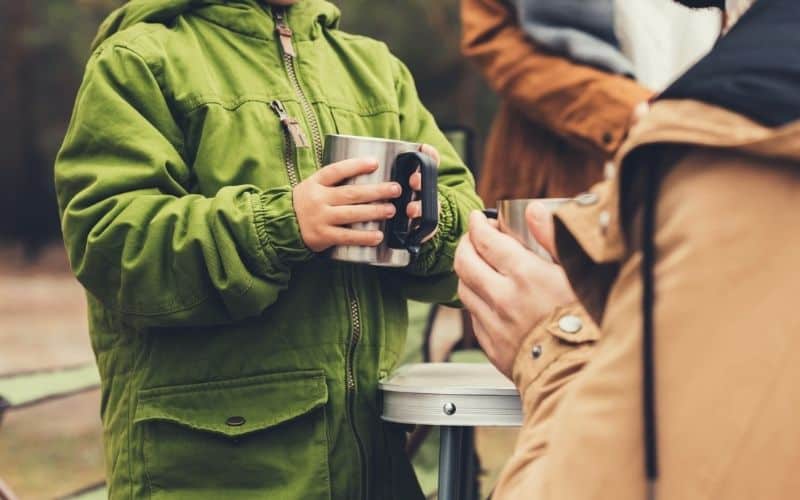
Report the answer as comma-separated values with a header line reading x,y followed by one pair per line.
x,y
30,387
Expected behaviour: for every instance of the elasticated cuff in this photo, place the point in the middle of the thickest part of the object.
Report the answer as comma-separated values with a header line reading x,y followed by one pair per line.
x,y
277,228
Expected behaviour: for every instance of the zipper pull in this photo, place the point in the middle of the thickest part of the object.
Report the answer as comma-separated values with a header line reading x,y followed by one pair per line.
x,y
290,124
284,33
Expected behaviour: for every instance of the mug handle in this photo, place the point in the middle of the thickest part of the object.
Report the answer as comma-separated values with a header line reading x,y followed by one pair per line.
x,y
403,233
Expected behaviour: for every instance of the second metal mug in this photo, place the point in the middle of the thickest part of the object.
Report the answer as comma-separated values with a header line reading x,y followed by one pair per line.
x,y
511,218
397,160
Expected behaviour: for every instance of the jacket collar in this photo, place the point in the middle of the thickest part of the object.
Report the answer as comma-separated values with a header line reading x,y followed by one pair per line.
x,y
695,123
685,123
249,17
255,18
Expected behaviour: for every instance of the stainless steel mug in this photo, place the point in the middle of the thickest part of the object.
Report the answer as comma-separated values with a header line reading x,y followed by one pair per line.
x,y
397,160
511,219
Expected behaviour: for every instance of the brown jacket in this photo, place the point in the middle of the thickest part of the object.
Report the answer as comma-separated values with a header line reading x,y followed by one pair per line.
x,y
727,332
558,121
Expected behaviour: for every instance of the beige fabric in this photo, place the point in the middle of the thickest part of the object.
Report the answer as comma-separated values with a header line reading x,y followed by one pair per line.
x,y
727,331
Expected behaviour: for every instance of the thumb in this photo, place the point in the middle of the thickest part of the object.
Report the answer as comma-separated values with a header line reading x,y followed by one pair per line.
x,y
540,224
432,152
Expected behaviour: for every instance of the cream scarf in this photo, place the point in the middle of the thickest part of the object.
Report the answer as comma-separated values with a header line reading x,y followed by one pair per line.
x,y
663,38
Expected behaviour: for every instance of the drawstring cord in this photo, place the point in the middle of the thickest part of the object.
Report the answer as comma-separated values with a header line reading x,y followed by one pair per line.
x,y
648,345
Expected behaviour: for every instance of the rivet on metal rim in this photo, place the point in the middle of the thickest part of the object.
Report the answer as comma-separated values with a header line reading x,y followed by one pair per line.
x,y
449,409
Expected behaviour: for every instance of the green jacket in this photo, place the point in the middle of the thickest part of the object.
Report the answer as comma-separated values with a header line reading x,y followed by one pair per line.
x,y
236,364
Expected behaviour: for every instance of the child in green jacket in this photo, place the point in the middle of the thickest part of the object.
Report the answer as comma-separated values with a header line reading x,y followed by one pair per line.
x,y
237,362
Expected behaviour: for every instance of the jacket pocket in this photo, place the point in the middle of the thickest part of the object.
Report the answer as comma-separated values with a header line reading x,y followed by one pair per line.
x,y
255,437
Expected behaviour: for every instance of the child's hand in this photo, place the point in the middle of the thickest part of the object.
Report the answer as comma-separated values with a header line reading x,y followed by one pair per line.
x,y
414,209
323,207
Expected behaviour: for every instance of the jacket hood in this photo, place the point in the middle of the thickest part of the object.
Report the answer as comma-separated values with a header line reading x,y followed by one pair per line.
x,y
237,15
137,11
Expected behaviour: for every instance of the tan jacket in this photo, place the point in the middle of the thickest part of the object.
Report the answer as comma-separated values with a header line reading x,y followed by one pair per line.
x,y
727,330
558,121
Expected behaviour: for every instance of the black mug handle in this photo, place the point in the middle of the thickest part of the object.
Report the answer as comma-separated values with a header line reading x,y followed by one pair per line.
x,y
401,232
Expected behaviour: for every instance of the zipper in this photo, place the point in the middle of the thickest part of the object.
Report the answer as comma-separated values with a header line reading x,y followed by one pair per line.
x,y
289,54
292,135
290,124
350,381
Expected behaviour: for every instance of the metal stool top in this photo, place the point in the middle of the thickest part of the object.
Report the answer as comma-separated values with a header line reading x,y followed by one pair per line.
x,y
451,394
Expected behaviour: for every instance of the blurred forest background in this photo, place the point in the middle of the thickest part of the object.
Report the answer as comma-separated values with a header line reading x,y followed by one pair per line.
x,y
43,46
49,449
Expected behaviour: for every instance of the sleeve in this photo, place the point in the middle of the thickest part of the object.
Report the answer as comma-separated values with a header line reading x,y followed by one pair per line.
x,y
138,240
556,352
431,278
550,358
585,106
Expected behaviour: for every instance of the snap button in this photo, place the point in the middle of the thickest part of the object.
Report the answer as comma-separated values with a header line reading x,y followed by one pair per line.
x,y
609,170
586,199
570,324
536,352
604,221
235,421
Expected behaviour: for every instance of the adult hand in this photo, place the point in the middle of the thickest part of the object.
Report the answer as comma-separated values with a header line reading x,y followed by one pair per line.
x,y
414,209
324,207
508,289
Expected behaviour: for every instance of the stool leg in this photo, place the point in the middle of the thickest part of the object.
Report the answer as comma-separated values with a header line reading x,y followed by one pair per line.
x,y
451,439
469,466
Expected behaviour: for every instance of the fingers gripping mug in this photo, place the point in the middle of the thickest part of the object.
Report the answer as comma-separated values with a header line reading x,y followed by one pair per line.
x,y
397,160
